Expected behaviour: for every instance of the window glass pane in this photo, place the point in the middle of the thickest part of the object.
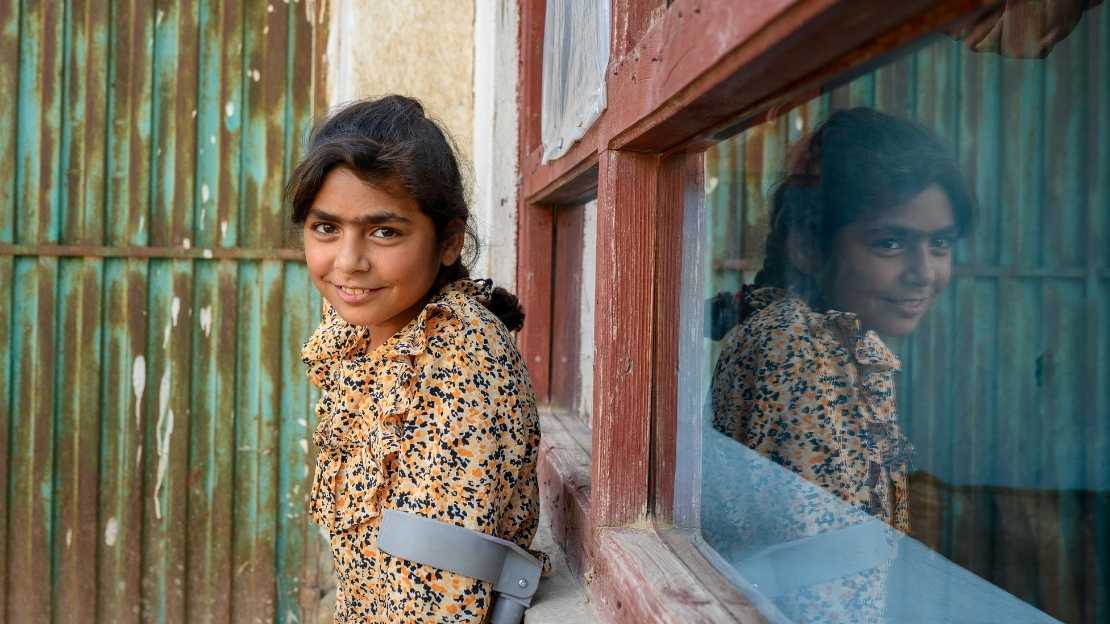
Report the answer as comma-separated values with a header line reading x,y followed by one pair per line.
x,y
901,290
575,54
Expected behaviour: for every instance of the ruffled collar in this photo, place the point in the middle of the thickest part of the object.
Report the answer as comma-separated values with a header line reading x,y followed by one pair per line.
x,y
865,347
357,441
336,340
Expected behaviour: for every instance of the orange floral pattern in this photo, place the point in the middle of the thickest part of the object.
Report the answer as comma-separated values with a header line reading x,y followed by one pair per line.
x,y
439,421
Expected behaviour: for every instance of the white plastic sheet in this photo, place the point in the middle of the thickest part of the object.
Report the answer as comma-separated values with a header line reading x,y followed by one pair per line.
x,y
575,56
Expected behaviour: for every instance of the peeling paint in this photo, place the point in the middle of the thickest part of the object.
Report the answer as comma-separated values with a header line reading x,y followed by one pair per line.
x,y
138,385
304,445
223,228
256,75
206,319
163,429
160,17
175,305
186,243
111,531
229,109
204,195
69,537
207,253
212,139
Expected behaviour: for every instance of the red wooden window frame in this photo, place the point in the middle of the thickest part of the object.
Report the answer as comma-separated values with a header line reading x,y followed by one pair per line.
x,y
678,74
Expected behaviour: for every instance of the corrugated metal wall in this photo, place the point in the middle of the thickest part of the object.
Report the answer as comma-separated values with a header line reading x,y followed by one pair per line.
x,y
154,412
1006,383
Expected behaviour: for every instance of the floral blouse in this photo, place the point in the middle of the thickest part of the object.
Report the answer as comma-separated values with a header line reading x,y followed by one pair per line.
x,y
814,394
439,421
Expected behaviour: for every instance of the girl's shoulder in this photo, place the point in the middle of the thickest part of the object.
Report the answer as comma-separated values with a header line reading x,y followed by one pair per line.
x,y
456,324
781,327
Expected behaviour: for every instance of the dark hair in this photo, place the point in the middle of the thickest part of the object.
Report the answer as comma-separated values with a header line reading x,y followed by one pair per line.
x,y
857,163
391,142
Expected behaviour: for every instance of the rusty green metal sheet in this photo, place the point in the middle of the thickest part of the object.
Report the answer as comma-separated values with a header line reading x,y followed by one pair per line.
x,y
134,382
6,339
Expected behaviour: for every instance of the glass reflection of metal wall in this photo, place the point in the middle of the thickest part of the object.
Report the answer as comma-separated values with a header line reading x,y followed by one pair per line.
x,y
1003,389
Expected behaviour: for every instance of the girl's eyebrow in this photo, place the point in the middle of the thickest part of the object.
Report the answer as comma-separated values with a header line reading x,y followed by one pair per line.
x,y
907,232
376,218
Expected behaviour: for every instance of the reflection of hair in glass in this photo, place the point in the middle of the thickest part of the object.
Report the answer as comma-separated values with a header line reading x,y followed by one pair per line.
x,y
857,163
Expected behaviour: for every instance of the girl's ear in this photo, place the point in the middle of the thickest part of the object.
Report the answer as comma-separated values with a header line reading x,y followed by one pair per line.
x,y
451,247
802,253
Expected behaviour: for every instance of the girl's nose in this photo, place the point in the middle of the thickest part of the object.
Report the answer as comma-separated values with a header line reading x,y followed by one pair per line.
x,y
920,269
351,258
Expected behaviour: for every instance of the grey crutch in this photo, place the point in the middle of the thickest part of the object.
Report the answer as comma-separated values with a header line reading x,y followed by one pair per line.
x,y
514,572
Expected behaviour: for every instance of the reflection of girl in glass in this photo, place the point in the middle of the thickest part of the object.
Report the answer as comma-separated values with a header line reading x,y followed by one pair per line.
x,y
862,228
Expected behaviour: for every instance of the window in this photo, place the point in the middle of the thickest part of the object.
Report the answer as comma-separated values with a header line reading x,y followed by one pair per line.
x,y
575,52
900,409
573,309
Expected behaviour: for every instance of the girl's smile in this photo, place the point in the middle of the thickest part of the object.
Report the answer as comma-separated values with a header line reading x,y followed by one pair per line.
x,y
372,252
889,269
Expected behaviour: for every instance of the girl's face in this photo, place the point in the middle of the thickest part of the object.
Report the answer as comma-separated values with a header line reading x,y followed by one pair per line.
x,y
889,268
372,253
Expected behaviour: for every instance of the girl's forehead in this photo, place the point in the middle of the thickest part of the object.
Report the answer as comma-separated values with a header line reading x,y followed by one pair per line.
x,y
343,194
928,211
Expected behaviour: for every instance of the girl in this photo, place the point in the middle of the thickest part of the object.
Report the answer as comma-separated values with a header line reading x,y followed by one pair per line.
x,y
860,245
426,405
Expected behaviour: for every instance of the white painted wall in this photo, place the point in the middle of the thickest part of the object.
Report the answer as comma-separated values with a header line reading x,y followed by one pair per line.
x,y
495,138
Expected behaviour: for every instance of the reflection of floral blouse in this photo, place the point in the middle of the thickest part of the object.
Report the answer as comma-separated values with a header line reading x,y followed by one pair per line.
x,y
813,393
439,421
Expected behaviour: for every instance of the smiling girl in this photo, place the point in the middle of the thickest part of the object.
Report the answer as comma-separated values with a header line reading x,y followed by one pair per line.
x,y
426,406
860,246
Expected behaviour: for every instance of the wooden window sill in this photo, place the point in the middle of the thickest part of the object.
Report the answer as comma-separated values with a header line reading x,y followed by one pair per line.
x,y
632,574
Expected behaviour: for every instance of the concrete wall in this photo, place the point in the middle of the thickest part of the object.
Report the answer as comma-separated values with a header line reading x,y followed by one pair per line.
x,y
423,49
495,138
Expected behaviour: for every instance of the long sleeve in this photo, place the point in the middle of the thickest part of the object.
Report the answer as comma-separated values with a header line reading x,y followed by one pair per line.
x,y
471,465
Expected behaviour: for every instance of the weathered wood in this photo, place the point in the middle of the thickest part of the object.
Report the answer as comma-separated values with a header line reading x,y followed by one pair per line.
x,y
564,475
680,182
566,301
623,337
535,243
638,578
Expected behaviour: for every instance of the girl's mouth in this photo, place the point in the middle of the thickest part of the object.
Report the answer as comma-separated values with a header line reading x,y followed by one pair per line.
x,y
909,307
350,294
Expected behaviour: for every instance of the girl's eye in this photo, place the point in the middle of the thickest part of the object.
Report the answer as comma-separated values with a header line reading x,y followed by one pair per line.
x,y
384,232
324,229
887,245
941,243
